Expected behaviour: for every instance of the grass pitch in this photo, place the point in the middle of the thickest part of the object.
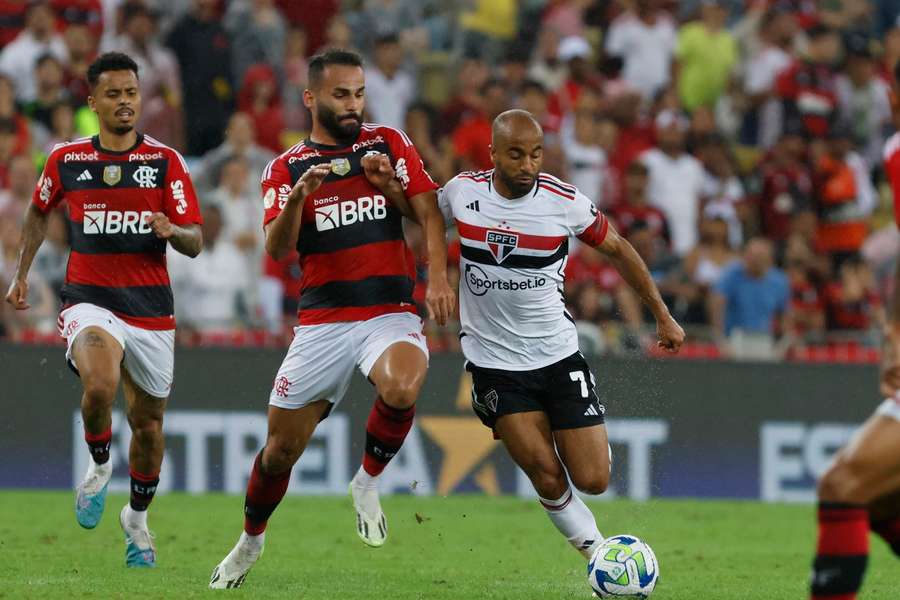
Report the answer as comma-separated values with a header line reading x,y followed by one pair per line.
x,y
462,547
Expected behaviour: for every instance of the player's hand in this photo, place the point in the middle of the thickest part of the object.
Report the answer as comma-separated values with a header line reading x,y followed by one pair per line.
x,y
890,362
309,182
161,225
378,170
18,294
440,299
670,334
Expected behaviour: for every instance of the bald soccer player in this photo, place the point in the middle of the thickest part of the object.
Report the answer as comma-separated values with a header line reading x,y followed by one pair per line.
x,y
531,385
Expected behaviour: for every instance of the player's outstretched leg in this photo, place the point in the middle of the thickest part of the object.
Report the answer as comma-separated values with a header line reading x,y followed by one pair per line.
x,y
884,519
145,416
398,375
97,355
529,441
289,432
866,469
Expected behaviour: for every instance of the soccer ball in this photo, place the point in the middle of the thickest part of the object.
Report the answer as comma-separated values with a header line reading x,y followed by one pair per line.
x,y
623,567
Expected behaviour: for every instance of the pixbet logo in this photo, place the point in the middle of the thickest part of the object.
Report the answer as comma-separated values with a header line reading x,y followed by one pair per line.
x,y
480,284
98,222
349,212
142,156
366,143
70,156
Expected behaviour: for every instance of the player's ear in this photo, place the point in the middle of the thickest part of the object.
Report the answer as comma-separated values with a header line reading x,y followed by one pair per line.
x,y
308,98
92,104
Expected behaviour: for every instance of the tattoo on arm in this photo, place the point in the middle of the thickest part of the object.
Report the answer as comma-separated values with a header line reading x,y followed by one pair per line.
x,y
94,340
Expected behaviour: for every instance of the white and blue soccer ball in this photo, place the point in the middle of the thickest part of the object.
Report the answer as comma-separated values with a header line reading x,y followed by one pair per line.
x,y
623,567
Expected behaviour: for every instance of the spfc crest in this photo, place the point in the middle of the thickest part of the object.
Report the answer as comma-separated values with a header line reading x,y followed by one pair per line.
x,y
501,244
112,174
340,166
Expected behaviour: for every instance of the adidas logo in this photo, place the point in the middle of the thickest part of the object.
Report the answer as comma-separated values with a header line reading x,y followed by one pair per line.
x,y
85,176
474,206
592,411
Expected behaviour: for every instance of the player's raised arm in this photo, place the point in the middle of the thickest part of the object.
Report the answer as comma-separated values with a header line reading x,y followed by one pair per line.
x,y
32,237
631,266
283,231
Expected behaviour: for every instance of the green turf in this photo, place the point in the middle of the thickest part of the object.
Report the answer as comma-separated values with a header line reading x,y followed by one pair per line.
x,y
458,547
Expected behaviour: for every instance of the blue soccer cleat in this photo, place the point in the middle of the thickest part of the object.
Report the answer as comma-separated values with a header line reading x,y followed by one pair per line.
x,y
139,549
90,497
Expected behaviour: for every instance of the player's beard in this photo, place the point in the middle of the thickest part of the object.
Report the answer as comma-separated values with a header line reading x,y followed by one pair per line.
x,y
122,129
343,132
515,187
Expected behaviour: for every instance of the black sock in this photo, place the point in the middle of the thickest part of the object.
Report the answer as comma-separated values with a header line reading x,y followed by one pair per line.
x,y
143,488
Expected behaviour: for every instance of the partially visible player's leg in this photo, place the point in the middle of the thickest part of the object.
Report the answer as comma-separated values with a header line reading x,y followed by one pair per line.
x,y
145,417
866,469
96,355
394,357
884,519
585,453
529,441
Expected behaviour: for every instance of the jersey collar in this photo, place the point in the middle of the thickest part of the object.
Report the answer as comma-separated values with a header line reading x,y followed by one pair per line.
x,y
95,142
317,146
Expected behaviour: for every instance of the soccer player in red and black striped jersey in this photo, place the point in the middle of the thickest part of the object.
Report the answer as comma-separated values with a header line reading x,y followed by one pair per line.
x,y
860,491
127,197
337,198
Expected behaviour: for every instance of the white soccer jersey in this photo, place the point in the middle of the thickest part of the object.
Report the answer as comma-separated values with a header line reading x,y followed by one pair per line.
x,y
513,258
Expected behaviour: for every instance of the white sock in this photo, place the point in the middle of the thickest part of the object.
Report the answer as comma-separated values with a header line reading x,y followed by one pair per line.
x,y
136,518
254,543
575,521
364,480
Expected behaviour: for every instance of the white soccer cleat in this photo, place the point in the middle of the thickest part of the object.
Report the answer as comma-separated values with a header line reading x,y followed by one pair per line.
x,y
90,495
371,526
232,571
140,551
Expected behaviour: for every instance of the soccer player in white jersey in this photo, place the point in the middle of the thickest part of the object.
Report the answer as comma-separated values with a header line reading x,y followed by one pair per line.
x,y
531,385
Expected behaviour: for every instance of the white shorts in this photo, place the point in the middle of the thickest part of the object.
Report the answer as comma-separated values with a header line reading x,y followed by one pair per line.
x,y
320,360
149,355
889,408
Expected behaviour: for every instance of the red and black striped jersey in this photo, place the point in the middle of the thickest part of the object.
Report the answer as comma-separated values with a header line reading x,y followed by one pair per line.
x,y
354,260
116,260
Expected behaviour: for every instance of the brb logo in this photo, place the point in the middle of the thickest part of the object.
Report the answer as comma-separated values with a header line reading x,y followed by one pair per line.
x,y
98,222
349,212
480,284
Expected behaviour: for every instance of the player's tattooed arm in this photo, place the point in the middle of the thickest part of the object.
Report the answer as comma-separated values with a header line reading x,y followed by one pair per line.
x,y
186,239
32,237
380,173
631,266
283,232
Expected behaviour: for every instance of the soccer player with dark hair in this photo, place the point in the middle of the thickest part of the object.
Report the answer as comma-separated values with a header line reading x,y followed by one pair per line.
x,y
530,383
338,199
128,197
860,491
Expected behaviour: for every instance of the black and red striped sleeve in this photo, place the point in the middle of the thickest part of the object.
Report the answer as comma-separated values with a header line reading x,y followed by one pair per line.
x,y
408,165
49,190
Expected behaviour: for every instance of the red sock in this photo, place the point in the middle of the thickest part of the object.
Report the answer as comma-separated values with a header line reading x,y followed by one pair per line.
x,y
385,431
842,551
264,492
98,444
889,530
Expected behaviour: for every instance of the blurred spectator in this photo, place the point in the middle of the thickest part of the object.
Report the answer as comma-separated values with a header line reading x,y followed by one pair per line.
x,y
748,300
161,96
436,152
762,122
385,18
50,91
645,38
310,15
635,136
635,208
239,141
707,54
279,292
723,193
52,257
257,32
808,88
786,186
676,180
596,291
296,115
487,26
209,291
62,129
80,12
852,301
806,317
845,197
82,48
41,316
865,104
389,89
546,67
203,50
12,20
14,200
574,53
472,138
471,76
259,97
566,16
17,60
533,98
585,158
339,35
513,69
8,143
9,111
705,264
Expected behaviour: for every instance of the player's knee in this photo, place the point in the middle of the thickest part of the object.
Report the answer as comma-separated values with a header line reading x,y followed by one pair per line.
x,y
844,481
99,389
279,456
401,393
593,483
547,477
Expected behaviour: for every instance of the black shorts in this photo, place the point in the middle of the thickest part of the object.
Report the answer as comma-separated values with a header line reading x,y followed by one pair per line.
x,y
563,390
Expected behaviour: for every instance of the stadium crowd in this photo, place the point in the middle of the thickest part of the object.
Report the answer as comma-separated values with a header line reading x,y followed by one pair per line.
x,y
737,144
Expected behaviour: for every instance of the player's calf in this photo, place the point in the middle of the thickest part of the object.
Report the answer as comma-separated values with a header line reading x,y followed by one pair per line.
x,y
594,482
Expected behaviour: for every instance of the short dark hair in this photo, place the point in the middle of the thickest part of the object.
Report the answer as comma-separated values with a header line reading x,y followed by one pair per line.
x,y
110,61
334,56
45,58
532,85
